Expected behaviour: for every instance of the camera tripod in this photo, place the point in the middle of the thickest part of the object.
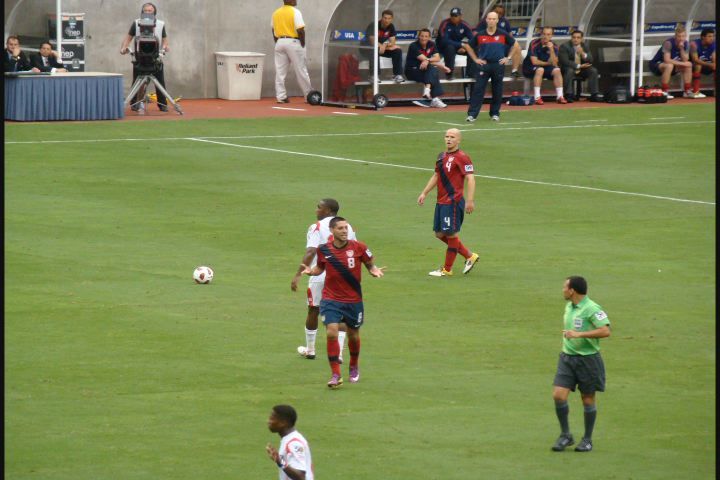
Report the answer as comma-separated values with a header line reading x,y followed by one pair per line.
x,y
140,86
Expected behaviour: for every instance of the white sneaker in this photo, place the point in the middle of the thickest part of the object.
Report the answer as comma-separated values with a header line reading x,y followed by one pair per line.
x,y
470,119
304,352
688,94
426,93
668,96
440,272
437,103
421,103
398,79
698,95
470,263
495,118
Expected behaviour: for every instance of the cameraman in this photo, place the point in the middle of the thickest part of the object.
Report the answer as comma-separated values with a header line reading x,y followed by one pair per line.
x,y
161,35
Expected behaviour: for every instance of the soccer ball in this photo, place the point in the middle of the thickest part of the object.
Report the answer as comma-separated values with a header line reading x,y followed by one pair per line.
x,y
203,275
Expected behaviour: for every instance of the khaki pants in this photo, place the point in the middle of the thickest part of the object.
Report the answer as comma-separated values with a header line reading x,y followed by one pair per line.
x,y
288,51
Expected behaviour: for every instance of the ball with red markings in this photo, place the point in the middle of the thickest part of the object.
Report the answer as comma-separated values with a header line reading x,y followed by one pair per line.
x,y
203,275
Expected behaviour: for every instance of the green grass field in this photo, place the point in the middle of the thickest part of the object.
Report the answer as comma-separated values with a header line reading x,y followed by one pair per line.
x,y
117,366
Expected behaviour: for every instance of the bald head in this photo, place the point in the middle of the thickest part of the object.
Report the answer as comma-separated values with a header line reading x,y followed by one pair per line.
x,y
492,20
452,139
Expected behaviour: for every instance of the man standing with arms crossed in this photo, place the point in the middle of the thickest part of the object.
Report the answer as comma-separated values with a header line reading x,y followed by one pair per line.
x,y
288,29
318,234
452,168
342,295
580,363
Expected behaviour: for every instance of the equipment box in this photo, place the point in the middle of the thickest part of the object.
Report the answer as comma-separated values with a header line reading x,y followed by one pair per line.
x,y
73,55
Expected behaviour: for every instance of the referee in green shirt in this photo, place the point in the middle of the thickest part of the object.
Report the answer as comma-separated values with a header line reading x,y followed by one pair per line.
x,y
580,363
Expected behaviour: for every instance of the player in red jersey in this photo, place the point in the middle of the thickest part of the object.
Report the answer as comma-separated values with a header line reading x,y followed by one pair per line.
x,y
452,169
342,294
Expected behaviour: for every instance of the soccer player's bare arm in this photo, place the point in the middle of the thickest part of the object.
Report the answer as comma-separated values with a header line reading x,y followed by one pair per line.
x,y
312,272
602,332
432,183
374,270
306,260
470,193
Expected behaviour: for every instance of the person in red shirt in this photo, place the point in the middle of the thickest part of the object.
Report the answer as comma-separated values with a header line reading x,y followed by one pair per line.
x,y
342,295
452,168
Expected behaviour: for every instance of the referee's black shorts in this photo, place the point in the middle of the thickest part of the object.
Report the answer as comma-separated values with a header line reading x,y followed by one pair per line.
x,y
587,372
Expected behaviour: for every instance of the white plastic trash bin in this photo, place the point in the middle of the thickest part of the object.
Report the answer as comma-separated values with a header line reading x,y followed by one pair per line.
x,y
239,75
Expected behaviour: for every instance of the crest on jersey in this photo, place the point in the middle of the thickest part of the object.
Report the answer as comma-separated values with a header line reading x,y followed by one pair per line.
x,y
451,158
468,168
350,253
577,323
497,37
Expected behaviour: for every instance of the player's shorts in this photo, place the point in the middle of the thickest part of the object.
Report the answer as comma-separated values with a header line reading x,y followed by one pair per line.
x,y
314,293
351,314
529,72
449,218
585,371
655,68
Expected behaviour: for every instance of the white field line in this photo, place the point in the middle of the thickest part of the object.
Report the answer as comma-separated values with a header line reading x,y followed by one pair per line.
x,y
398,117
513,123
599,120
345,113
666,118
365,134
290,108
453,124
492,177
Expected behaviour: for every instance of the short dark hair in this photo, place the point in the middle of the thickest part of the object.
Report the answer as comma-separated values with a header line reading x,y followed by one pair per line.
x,y
335,221
707,31
13,37
388,12
578,283
151,4
547,28
577,31
424,30
45,43
331,204
286,413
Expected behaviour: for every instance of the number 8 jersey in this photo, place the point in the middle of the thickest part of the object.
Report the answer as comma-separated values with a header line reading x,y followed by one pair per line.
x,y
343,267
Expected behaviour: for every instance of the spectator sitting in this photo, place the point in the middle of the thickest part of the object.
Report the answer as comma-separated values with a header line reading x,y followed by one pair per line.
x,y
422,64
385,44
702,55
542,62
576,62
503,24
672,57
453,37
46,60
15,59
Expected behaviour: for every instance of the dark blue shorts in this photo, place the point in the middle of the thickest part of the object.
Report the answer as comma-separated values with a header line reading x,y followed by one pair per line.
x,y
655,68
449,218
351,314
547,73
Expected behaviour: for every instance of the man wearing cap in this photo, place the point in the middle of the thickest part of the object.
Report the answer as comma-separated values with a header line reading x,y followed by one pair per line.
x,y
452,39
288,29
491,49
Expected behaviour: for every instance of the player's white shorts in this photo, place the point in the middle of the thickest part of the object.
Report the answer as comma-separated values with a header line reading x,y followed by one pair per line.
x,y
314,293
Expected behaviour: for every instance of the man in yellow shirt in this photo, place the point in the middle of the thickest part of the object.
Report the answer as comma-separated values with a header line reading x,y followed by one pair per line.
x,y
288,29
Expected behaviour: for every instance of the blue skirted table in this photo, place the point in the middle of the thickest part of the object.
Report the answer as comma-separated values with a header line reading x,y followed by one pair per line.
x,y
64,96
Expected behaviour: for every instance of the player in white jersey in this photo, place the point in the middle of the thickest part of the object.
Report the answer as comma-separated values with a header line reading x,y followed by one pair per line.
x,y
318,234
293,457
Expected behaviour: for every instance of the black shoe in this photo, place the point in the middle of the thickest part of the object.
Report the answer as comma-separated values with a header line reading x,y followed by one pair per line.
x,y
585,445
569,100
515,74
595,98
450,76
563,441
163,108
135,107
